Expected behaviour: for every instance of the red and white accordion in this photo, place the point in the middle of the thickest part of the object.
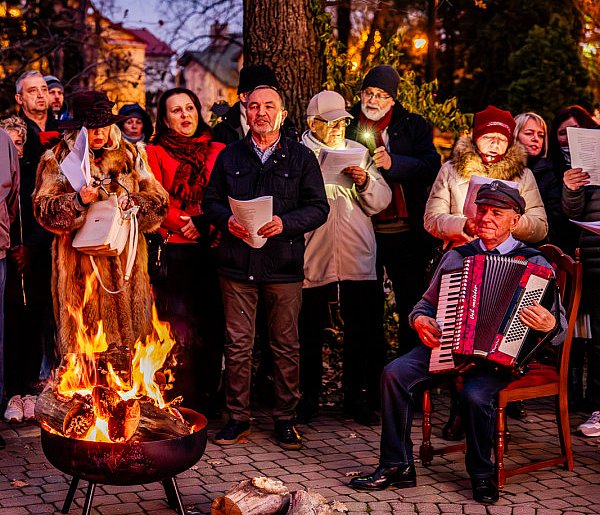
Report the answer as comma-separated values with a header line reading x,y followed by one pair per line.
x,y
478,310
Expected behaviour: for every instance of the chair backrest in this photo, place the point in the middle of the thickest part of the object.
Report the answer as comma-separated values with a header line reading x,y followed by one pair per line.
x,y
569,273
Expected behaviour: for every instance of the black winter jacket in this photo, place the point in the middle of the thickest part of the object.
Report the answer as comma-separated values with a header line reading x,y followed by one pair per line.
x,y
293,177
415,161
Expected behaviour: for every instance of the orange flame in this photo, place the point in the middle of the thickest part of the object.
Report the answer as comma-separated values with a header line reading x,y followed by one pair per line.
x,y
79,373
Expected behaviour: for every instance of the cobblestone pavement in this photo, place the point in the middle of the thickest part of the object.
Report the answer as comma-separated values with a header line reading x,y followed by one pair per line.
x,y
334,449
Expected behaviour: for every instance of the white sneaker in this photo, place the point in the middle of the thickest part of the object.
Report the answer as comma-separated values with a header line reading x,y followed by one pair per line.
x,y
592,426
29,407
14,409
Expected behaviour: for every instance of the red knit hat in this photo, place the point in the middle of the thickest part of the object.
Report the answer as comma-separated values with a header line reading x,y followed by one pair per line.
x,y
493,119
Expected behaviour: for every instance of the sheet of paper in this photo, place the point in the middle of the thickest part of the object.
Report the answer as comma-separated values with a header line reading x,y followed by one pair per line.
x,y
253,214
76,166
469,207
332,163
590,226
584,145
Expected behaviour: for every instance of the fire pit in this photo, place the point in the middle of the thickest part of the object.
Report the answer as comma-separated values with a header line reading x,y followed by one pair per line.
x,y
127,463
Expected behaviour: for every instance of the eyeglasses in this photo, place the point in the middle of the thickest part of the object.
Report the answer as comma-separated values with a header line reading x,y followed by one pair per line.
x,y
380,97
342,122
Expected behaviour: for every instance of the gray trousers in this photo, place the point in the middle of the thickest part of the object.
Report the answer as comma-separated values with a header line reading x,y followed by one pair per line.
x,y
282,302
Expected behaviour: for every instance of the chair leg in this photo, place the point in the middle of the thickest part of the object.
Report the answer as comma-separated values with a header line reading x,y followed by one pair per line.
x,y
426,450
564,430
500,442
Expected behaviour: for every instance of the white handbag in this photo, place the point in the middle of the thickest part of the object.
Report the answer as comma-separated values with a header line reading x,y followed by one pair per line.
x,y
106,232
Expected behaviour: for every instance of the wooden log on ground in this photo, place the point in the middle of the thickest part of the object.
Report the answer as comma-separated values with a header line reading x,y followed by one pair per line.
x,y
257,496
313,503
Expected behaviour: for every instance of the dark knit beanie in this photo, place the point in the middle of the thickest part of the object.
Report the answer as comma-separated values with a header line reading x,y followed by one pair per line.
x,y
493,119
383,77
53,82
257,75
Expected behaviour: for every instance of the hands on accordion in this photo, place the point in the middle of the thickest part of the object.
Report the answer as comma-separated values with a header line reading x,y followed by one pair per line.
x,y
478,311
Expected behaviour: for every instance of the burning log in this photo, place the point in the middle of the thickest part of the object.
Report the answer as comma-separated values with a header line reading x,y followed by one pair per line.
x,y
138,420
59,413
257,496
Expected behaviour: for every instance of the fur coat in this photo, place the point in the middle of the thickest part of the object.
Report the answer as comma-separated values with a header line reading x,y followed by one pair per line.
x,y
444,217
126,316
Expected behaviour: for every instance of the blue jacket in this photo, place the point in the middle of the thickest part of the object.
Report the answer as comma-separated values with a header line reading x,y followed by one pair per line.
x,y
292,176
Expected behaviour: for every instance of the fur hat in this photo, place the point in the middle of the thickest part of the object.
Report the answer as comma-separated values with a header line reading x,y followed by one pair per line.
x,y
256,75
383,77
493,119
92,110
499,194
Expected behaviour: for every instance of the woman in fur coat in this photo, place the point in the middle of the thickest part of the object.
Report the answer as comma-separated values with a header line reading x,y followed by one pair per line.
x,y
491,152
126,316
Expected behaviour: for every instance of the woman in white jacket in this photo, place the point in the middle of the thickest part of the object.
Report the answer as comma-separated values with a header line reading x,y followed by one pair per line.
x,y
339,263
491,152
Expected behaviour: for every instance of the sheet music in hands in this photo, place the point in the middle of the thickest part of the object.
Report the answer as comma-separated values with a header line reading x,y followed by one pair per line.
x,y
584,146
332,162
76,166
590,226
469,207
253,214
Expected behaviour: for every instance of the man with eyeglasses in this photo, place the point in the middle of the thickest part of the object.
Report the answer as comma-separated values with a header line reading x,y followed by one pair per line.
x,y
402,147
339,263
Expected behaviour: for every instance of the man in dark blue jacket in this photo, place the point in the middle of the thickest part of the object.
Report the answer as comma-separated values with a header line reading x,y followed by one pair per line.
x,y
264,163
401,144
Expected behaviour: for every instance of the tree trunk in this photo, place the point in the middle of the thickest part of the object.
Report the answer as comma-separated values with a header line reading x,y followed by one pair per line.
x,y
282,35
258,496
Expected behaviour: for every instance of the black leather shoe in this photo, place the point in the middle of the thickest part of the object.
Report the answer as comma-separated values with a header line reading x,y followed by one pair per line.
x,y
404,476
516,410
287,436
485,490
232,432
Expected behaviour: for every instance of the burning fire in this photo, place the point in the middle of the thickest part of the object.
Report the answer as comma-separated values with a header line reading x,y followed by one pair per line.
x,y
79,377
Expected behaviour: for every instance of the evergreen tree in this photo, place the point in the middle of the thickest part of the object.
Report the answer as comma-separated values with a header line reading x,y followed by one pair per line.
x,y
545,80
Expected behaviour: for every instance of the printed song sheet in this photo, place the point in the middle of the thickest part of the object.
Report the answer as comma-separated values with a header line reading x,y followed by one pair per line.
x,y
253,214
76,166
584,145
469,208
332,162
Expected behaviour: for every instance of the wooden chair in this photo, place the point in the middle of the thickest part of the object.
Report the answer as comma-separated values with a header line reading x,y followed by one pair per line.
x,y
541,381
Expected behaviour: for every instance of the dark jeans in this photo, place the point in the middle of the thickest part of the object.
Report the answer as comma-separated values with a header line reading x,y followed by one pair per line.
x,y
2,286
592,304
404,257
189,297
282,303
399,382
364,352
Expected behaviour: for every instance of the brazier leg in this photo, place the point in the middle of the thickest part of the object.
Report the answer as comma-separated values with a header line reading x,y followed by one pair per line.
x,y
173,497
89,496
70,495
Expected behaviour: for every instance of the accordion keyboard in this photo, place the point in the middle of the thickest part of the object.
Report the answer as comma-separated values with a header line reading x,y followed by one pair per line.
x,y
441,357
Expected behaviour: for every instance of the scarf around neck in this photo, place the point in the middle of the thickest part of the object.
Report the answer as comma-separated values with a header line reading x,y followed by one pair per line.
x,y
192,175
373,127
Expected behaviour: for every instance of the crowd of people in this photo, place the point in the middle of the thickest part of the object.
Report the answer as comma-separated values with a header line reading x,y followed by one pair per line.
x,y
332,236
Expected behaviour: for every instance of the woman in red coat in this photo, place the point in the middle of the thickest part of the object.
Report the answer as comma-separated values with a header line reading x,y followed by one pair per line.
x,y
181,156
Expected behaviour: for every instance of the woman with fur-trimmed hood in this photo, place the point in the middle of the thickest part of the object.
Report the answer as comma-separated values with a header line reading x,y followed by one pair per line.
x,y
126,316
491,152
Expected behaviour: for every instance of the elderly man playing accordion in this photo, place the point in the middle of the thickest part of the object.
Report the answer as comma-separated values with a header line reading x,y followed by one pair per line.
x,y
499,208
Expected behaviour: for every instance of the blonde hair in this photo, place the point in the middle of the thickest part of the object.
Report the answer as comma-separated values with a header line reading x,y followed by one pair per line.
x,y
523,118
113,143
15,123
